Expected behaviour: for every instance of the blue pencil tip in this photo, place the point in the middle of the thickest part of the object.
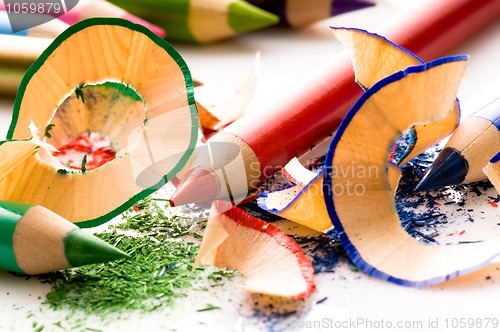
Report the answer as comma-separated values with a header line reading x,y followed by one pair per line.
x,y
449,168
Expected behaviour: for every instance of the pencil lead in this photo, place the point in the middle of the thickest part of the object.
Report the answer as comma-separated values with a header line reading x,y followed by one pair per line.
x,y
82,248
198,187
244,17
449,168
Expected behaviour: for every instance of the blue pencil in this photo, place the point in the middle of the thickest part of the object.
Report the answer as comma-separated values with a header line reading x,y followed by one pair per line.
x,y
468,151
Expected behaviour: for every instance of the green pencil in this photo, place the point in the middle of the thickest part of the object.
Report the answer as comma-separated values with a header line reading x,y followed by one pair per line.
x,y
200,21
34,240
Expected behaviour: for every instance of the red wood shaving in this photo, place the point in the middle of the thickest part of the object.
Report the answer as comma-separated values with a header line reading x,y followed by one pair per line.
x,y
462,232
392,153
493,204
96,147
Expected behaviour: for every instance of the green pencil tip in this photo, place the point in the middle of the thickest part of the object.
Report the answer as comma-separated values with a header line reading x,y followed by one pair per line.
x,y
244,17
82,248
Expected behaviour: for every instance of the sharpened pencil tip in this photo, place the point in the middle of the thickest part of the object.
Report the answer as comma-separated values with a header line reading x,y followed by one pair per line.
x,y
449,168
82,248
199,187
244,17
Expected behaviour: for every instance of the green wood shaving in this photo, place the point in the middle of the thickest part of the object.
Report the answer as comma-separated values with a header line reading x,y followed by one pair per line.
x,y
79,93
208,308
49,127
84,164
162,250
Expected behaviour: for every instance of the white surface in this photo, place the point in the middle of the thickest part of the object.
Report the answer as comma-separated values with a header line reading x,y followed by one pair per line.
x,y
286,56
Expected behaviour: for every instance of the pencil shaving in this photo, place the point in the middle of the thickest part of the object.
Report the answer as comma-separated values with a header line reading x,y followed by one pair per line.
x,y
492,171
35,138
271,262
375,57
215,117
133,113
372,235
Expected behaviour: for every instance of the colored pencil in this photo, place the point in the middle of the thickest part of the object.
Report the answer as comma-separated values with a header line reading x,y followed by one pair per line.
x,y
51,29
10,79
16,55
34,240
468,151
21,51
201,21
269,136
299,13
102,8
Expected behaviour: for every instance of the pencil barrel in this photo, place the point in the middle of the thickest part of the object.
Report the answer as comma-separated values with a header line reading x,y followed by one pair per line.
x,y
307,112
201,21
436,27
10,214
491,112
16,57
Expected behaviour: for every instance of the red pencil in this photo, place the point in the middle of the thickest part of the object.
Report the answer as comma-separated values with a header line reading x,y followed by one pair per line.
x,y
268,137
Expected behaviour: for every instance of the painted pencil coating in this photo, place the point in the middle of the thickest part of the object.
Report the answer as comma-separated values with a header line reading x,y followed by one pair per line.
x,y
495,158
299,13
433,29
491,112
492,170
98,8
201,21
310,110
345,6
87,9
10,214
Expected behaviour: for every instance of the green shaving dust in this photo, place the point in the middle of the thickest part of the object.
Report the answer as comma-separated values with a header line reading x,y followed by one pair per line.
x,y
162,249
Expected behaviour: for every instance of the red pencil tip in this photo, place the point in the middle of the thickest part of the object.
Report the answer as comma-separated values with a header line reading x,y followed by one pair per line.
x,y
199,187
